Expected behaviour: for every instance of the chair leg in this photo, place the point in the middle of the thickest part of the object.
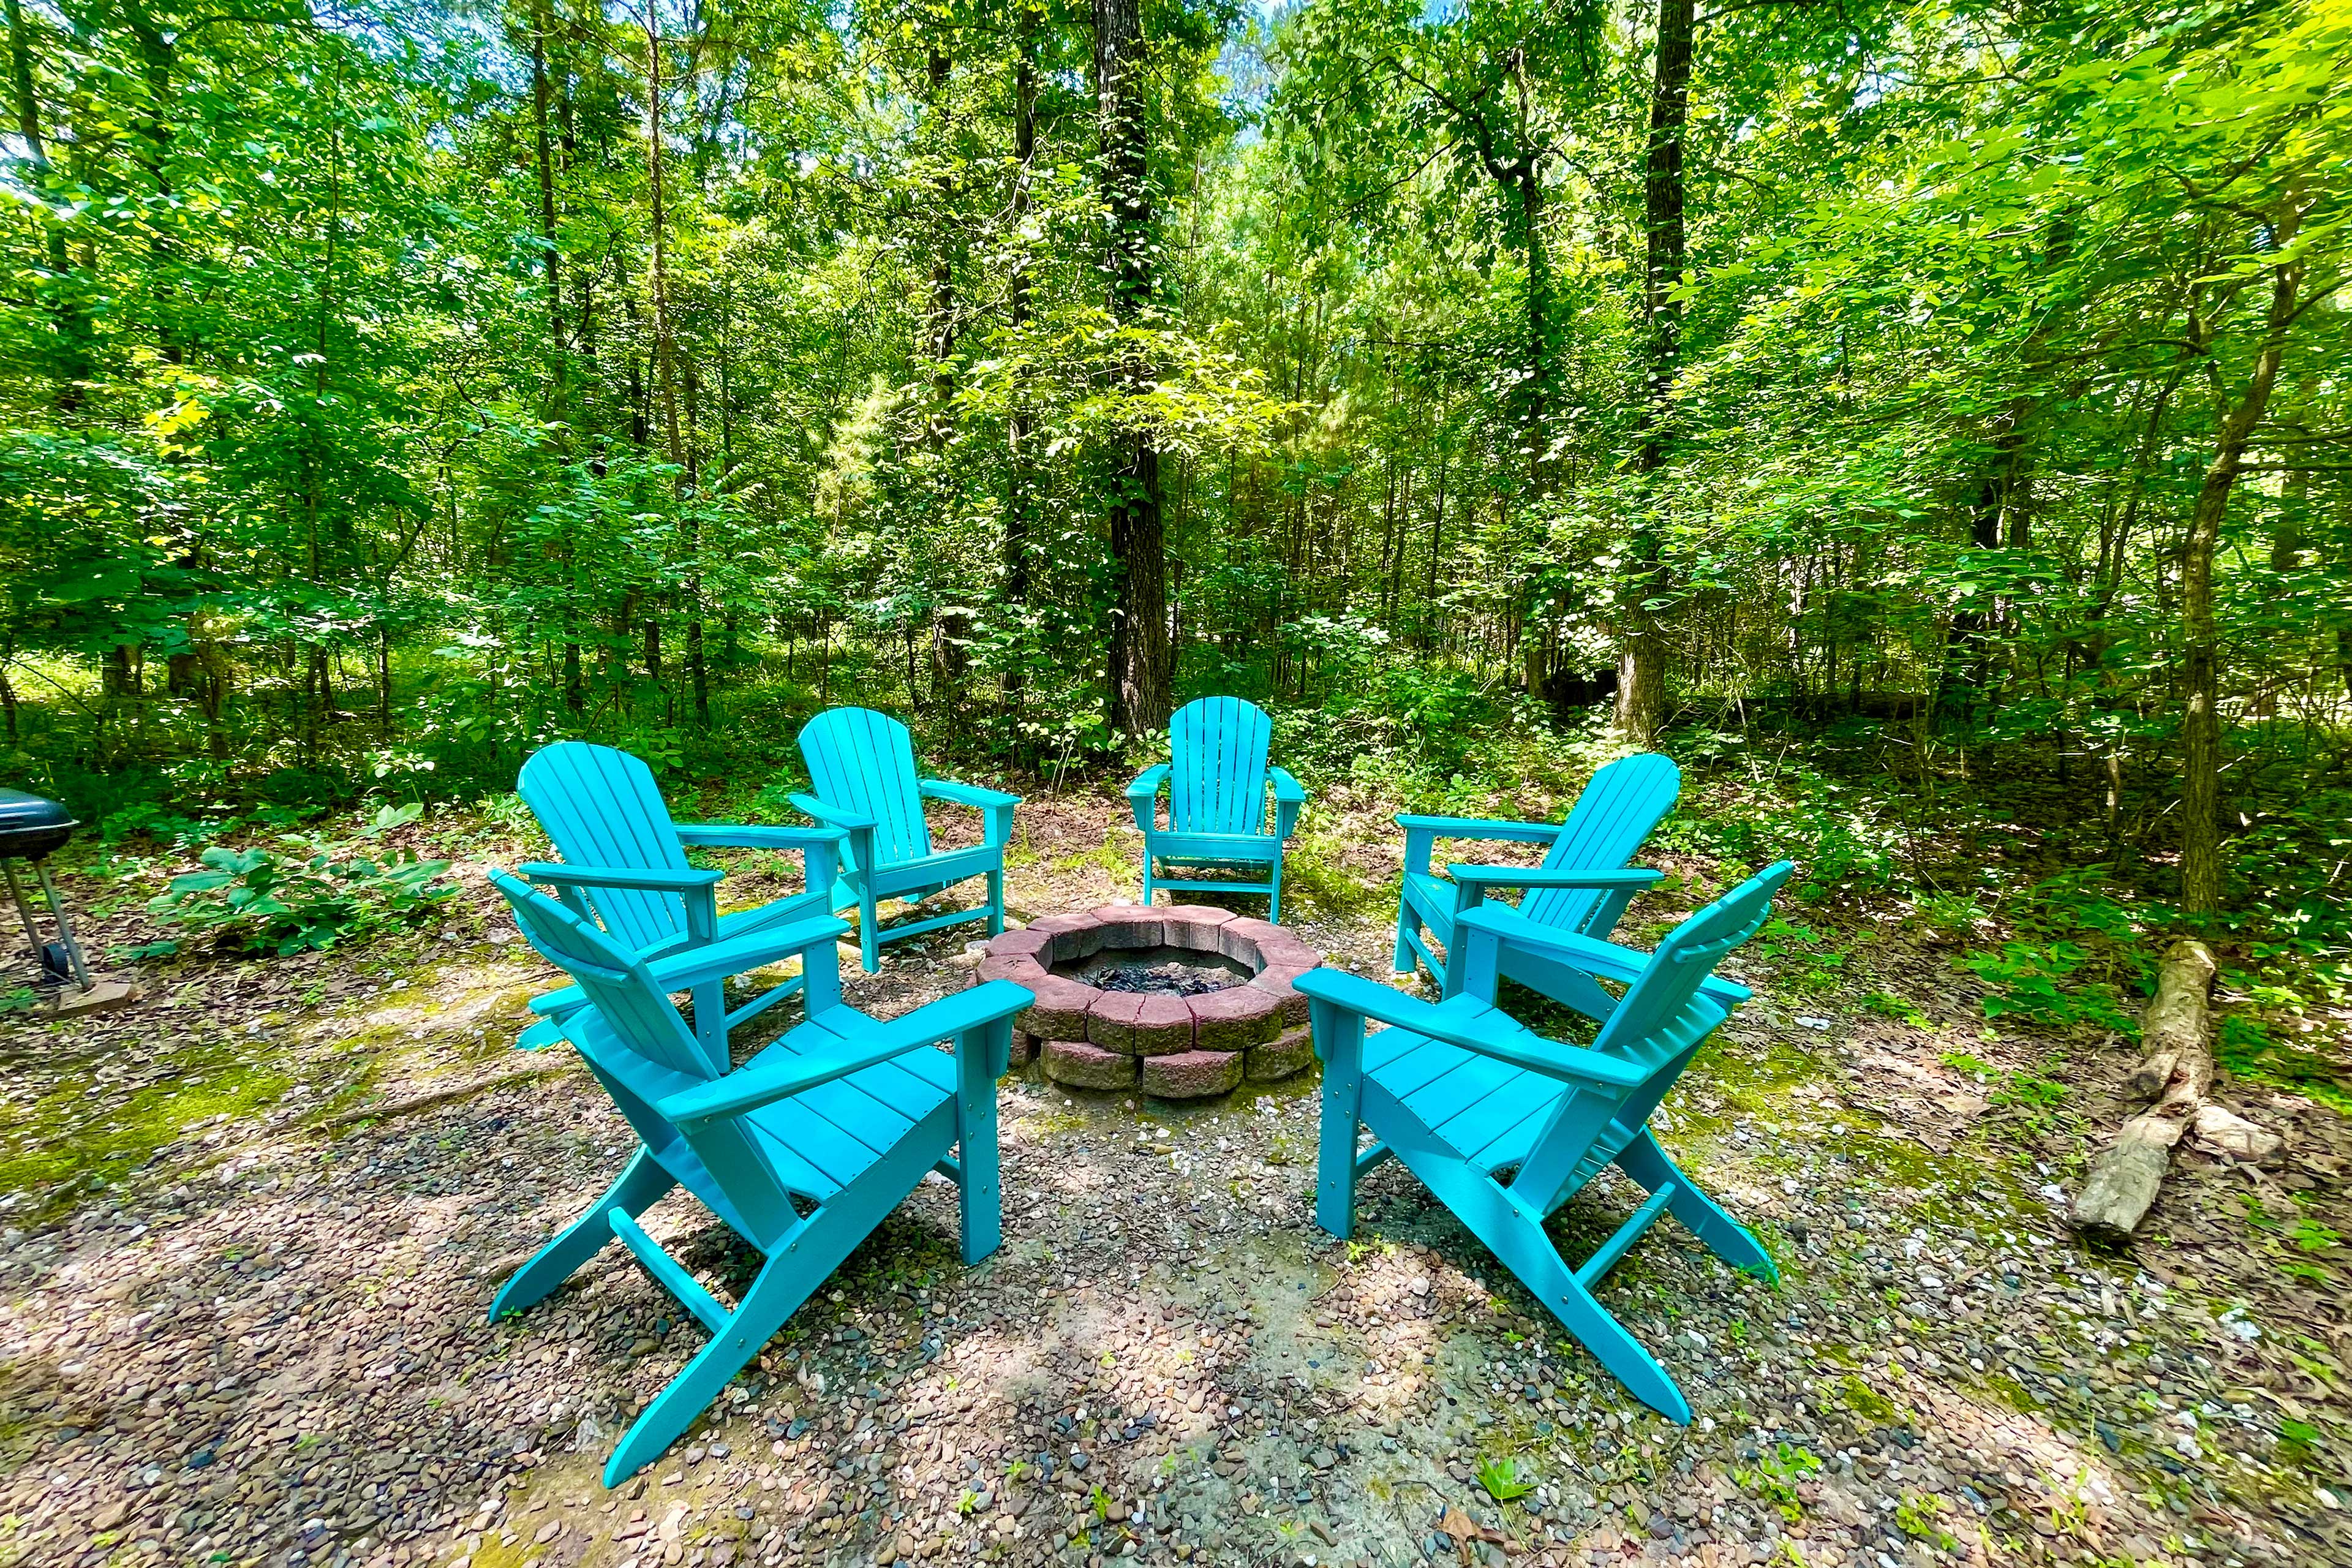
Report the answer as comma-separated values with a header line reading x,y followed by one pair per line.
x,y
1339,1040
1403,960
996,903
1530,1254
782,1285
1513,1233
641,1184
1274,895
869,934
1652,1167
981,1206
1149,890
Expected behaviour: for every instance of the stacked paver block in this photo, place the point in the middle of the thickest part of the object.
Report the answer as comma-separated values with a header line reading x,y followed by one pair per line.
x,y
1177,1048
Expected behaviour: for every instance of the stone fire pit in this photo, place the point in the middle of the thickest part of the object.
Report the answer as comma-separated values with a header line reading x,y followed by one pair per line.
x,y
1184,1001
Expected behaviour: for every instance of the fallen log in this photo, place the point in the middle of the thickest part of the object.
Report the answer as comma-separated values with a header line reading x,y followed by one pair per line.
x,y
2176,1068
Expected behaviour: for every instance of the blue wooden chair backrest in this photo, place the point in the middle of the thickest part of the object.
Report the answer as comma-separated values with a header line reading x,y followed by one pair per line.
x,y
1216,776
601,807
863,761
1609,821
1659,1024
642,1051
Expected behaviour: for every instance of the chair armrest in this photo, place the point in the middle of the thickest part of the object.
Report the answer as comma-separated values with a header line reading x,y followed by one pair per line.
x,y
1421,834
1490,1033
819,847
747,1088
1143,794
559,1003
832,815
636,880
1480,827
1604,958
1472,883
1288,798
698,890
859,860
964,794
1539,877
738,956
995,805
754,835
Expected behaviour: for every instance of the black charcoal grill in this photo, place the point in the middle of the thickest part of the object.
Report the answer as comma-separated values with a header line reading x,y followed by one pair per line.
x,y
31,829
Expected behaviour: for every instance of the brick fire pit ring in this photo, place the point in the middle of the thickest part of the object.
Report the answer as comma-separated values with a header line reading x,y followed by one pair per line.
x,y
1172,1046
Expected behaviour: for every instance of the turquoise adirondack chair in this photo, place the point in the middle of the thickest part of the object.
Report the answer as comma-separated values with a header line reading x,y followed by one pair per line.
x,y
1216,778
863,782
605,816
801,1151
1581,886
1505,1126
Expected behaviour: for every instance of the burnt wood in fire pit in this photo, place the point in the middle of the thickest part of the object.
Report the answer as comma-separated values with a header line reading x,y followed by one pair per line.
x,y
1182,1000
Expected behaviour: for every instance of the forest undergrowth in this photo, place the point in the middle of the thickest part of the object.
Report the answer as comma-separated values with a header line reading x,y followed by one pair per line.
x,y
1943,1021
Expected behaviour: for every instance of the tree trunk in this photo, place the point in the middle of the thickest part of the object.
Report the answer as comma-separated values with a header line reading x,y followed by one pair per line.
x,y
1642,654
574,697
2200,790
73,368
545,166
664,338
1139,676
1019,498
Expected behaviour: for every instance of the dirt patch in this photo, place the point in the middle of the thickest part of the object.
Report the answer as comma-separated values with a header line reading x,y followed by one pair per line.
x,y
261,1340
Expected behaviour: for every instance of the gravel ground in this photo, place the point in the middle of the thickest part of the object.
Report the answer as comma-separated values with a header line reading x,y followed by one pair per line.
x,y
262,1341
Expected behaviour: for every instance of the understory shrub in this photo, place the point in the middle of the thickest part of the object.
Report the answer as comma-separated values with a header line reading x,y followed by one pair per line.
x,y
306,896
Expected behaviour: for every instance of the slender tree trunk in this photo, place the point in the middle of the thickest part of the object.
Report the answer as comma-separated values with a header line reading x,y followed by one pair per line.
x,y
1140,675
72,327
951,626
551,260
1642,657
1436,550
1540,401
1020,498
666,377
2200,784
665,337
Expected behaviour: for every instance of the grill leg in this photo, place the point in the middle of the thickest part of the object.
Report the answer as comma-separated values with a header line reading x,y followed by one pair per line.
x,y
65,927
24,910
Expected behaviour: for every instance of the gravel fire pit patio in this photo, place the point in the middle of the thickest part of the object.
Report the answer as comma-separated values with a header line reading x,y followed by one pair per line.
x,y
1183,1000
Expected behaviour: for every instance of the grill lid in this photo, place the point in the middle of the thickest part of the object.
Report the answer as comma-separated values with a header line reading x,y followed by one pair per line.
x,y
31,826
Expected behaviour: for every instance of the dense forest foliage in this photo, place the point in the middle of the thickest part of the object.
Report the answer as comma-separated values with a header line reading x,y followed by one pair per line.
x,y
1958,390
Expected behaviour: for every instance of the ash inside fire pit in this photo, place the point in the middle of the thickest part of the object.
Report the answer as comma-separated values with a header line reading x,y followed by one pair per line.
x,y
1161,971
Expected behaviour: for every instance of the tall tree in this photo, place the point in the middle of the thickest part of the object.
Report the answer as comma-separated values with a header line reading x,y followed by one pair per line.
x,y
1642,648
1140,676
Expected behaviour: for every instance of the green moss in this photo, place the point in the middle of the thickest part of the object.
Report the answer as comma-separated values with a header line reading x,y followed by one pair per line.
x,y
1867,1402
1315,871
2011,1392
72,1138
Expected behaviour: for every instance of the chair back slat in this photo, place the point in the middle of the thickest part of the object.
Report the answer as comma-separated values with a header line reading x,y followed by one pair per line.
x,y
1660,998
863,761
599,806
641,1049
1216,780
1616,813
1658,1025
